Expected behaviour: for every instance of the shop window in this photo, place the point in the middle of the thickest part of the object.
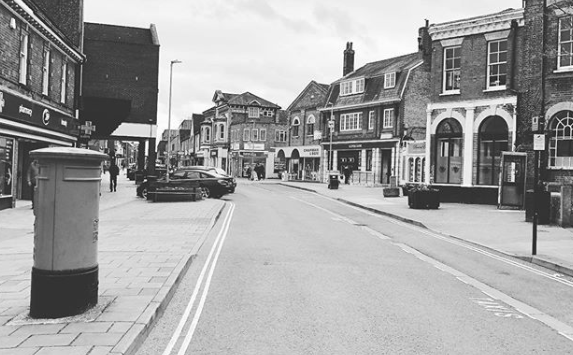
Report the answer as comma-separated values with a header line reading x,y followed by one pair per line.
x,y
449,154
493,139
561,141
6,164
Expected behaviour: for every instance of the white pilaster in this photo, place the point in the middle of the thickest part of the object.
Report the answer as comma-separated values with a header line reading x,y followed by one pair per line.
x,y
468,147
363,160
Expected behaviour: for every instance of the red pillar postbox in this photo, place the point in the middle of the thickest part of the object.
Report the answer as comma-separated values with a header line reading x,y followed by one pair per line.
x,y
65,271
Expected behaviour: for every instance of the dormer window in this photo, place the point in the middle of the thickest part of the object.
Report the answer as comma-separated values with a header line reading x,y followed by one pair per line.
x,y
349,87
389,80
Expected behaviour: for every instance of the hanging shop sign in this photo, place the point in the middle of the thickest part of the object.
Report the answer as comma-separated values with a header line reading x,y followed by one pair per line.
x,y
19,109
416,147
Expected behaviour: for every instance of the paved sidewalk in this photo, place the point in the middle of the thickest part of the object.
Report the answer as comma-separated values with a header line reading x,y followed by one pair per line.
x,y
502,230
138,270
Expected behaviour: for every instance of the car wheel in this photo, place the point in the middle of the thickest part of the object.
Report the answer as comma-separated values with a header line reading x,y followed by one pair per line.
x,y
205,192
144,193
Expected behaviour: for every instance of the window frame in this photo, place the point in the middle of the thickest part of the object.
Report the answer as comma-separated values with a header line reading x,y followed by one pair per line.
x,y
310,122
295,126
498,64
253,112
46,71
254,134
446,71
560,44
64,82
246,134
262,134
388,122
389,80
566,133
371,120
23,56
351,122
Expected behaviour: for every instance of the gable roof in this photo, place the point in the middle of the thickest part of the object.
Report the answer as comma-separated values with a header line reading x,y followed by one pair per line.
x,y
248,99
374,91
311,88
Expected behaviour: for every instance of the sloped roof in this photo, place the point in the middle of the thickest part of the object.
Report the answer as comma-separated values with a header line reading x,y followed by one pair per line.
x,y
248,99
374,84
311,88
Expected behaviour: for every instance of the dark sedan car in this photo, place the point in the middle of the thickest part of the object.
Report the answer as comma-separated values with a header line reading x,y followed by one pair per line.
x,y
215,170
212,184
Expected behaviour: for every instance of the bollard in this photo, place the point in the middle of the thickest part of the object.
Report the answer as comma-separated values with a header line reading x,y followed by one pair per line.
x,y
65,270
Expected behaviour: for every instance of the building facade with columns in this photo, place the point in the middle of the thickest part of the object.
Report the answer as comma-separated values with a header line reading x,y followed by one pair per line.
x,y
472,116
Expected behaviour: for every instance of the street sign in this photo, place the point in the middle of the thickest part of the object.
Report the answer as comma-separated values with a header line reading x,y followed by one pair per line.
x,y
331,124
534,123
539,142
87,129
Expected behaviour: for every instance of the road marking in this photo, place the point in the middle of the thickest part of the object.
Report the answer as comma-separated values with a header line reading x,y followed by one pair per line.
x,y
457,242
563,329
531,312
187,312
199,310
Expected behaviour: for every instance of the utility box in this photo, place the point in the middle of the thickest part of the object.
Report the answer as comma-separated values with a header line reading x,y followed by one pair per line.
x,y
333,181
65,271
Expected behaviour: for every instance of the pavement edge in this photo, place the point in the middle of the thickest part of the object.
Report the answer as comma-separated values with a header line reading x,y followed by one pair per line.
x,y
160,305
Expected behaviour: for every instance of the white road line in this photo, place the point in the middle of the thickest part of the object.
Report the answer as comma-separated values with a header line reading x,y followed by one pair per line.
x,y
189,307
456,242
533,313
199,309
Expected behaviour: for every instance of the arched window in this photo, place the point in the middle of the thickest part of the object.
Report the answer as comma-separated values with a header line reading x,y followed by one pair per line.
x,y
206,134
310,121
295,126
493,139
561,141
449,152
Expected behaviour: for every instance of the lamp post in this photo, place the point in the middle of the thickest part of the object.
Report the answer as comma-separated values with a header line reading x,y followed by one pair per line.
x,y
331,128
168,163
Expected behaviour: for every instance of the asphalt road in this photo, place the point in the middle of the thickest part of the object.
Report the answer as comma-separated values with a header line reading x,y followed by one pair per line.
x,y
291,272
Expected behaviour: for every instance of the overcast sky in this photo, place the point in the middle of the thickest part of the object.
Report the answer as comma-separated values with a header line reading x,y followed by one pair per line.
x,y
272,48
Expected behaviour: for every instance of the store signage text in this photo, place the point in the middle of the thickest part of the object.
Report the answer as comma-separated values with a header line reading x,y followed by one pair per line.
x,y
311,152
23,110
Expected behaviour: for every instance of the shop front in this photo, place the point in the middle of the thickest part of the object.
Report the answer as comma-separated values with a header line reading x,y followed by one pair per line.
x,y
26,125
367,163
301,163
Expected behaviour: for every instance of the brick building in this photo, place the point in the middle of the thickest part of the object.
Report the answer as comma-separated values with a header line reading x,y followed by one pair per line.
x,y
240,132
472,116
120,85
301,158
39,86
373,108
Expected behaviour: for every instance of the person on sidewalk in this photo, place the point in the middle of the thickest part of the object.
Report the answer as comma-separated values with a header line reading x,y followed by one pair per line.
x,y
32,177
113,173
347,172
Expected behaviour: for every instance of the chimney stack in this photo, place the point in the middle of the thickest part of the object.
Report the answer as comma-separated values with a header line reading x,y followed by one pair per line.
x,y
348,65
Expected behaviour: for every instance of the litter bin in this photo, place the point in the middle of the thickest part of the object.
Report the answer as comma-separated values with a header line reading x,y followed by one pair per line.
x,y
543,202
333,181
65,270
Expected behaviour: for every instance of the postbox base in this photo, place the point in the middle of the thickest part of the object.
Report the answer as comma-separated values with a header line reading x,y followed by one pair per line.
x,y
57,294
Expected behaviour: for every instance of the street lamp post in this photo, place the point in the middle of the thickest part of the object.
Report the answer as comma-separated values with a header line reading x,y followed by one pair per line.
x,y
331,128
168,163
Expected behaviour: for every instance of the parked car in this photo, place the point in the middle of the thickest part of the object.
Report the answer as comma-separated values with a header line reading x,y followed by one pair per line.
x,y
213,170
212,184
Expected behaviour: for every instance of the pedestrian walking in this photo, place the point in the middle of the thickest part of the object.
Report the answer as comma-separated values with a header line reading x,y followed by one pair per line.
x,y
32,177
113,173
254,175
